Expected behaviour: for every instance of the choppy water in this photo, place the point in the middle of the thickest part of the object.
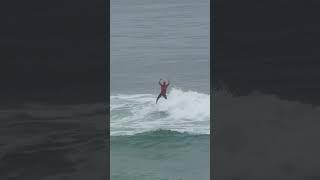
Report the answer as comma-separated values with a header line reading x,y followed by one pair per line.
x,y
160,155
182,112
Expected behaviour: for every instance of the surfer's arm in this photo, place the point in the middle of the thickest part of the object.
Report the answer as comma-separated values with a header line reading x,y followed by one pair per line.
x,y
160,82
168,82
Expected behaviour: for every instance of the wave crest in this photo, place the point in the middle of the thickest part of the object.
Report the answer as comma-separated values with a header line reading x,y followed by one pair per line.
x,y
183,111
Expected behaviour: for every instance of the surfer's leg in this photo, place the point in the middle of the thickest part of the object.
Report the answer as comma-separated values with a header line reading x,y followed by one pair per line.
x,y
165,96
158,98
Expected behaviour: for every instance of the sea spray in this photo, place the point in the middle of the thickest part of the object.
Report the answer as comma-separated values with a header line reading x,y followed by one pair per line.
x,y
183,111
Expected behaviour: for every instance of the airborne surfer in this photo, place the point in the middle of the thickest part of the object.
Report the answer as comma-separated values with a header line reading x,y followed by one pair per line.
x,y
163,92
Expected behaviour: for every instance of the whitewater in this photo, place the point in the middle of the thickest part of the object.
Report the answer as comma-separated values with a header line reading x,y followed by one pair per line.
x,y
183,112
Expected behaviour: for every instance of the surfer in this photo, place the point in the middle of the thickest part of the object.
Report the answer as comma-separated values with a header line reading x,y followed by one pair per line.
x,y
163,92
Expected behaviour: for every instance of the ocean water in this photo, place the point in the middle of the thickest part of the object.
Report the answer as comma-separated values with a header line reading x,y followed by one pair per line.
x,y
275,137
153,39
280,136
168,140
53,141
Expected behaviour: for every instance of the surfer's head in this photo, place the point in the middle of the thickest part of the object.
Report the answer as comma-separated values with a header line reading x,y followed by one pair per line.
x,y
164,83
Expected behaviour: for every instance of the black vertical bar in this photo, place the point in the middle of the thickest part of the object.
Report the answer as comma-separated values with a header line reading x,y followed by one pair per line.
x,y
212,57
107,35
217,54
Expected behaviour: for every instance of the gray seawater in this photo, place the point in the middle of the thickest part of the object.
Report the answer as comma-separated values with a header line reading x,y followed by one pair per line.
x,y
152,39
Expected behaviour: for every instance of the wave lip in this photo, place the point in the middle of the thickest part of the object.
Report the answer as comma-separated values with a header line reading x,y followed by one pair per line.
x,y
164,133
169,141
183,111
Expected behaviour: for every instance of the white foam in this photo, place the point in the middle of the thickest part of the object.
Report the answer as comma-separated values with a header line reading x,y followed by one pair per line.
x,y
183,111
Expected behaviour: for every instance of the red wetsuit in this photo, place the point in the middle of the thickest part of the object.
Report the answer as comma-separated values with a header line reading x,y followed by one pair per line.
x,y
164,89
